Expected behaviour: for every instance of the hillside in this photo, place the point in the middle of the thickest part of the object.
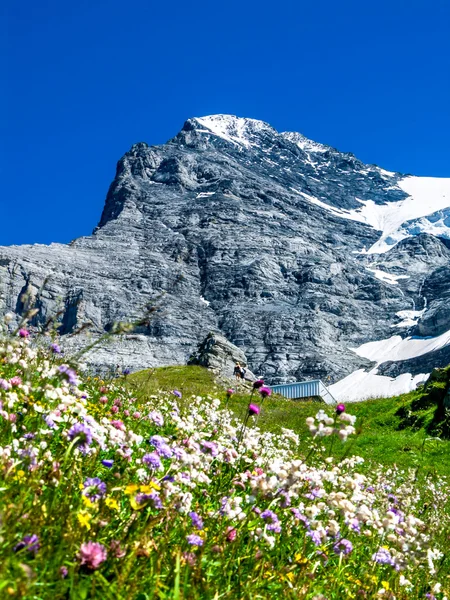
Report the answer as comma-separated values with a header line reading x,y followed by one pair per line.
x,y
112,492
385,435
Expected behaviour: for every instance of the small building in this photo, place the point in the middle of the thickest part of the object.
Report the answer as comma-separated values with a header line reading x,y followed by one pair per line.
x,y
305,389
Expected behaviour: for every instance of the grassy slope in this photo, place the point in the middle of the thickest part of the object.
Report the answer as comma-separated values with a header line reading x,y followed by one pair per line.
x,y
381,438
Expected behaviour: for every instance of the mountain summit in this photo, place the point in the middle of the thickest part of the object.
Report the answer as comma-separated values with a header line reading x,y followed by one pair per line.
x,y
299,254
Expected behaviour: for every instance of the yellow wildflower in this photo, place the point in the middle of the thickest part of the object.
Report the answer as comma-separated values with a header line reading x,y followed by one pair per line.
x,y
84,519
147,489
111,503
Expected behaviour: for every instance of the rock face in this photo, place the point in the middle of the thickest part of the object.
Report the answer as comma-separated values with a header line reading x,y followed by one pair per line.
x,y
219,355
295,251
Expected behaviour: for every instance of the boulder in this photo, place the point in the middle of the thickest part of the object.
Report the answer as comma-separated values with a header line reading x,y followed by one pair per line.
x,y
220,356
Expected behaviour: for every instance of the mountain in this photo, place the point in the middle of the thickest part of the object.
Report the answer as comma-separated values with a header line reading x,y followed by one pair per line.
x,y
299,254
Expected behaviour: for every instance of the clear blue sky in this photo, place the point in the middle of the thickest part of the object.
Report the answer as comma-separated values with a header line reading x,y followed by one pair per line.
x,y
85,80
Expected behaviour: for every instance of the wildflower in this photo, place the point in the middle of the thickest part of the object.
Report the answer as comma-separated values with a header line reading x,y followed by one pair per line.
x,y
231,534
177,393
5,385
197,521
30,543
15,381
154,416
63,571
49,421
143,499
94,488
265,391
84,519
136,415
253,409
103,400
116,549
126,371
23,333
161,446
114,409
273,521
92,555
383,557
343,547
258,384
118,425
194,540
111,503
82,435
69,373
56,350
152,460
340,408
108,463
210,448
189,558
229,392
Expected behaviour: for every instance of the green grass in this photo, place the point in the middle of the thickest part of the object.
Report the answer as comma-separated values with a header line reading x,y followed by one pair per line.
x,y
383,436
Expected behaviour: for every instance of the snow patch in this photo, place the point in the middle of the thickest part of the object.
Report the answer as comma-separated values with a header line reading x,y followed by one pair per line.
x,y
207,302
361,385
387,277
235,130
409,317
427,197
397,348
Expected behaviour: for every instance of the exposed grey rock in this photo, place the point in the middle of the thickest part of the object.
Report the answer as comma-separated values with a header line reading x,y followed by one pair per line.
x,y
224,227
220,355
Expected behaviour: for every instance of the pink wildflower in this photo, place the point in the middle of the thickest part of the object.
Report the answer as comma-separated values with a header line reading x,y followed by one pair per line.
x,y
92,555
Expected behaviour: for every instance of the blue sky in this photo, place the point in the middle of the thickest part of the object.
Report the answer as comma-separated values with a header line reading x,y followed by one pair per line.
x,y
85,80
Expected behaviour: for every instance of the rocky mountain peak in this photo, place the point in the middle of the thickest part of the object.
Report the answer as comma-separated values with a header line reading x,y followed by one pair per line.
x,y
293,251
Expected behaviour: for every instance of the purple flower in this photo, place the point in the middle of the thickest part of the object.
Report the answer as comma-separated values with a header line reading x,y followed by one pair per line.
x,y
343,547
23,333
340,408
258,384
28,436
69,373
253,409
49,422
177,393
83,436
63,571
157,418
265,391
126,371
229,392
108,463
273,521
383,557
91,555
152,460
28,457
94,488
154,498
194,540
161,446
30,543
56,350
5,385
210,448
315,536
197,521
